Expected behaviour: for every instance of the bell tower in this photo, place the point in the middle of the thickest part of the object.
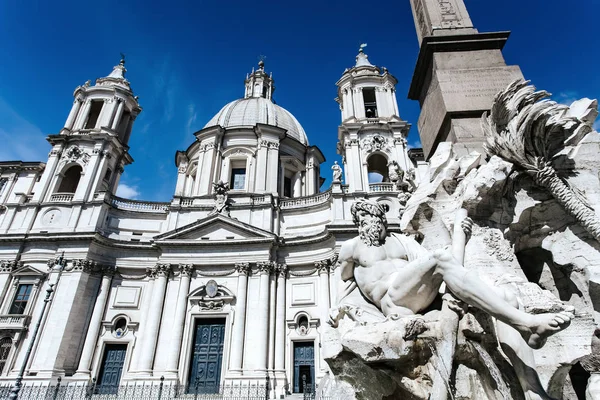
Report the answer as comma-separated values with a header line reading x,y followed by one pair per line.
x,y
372,136
89,153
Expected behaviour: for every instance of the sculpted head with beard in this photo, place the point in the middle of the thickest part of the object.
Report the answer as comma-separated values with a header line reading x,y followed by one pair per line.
x,y
371,221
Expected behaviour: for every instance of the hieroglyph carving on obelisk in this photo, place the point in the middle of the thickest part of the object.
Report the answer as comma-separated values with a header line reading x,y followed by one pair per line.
x,y
440,17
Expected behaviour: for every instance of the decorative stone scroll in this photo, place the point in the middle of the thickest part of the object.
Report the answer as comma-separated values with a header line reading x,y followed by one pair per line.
x,y
375,143
76,153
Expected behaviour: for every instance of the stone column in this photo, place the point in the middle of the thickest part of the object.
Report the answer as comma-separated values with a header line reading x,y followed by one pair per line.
x,y
297,191
186,271
237,343
152,327
117,119
80,122
95,322
73,113
280,319
323,270
262,318
272,305
261,166
272,166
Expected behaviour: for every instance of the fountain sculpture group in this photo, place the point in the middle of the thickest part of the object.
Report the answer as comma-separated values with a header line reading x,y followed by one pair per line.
x,y
491,289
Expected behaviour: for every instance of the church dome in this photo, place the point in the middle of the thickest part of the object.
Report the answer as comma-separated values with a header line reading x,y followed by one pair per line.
x,y
258,110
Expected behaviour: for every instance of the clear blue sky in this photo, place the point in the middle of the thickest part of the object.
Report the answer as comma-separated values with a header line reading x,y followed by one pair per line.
x,y
187,60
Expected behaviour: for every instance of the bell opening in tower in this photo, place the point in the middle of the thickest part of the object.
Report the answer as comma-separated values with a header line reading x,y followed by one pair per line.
x,y
370,102
95,110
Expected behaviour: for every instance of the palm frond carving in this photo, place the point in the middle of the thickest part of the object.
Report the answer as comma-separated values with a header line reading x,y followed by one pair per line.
x,y
536,134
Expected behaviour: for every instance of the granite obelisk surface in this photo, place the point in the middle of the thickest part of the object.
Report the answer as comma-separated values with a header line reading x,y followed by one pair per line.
x,y
458,72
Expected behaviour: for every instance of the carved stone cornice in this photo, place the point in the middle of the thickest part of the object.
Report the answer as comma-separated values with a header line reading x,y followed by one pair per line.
x,y
186,269
242,268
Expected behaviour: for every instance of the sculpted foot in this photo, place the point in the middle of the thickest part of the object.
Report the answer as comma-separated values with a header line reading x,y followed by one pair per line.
x,y
544,325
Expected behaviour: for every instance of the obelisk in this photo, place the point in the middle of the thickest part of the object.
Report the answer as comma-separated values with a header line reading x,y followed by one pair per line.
x,y
457,75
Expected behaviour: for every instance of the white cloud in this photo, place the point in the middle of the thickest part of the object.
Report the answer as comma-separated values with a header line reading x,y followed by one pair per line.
x,y
192,116
128,192
567,98
415,145
20,139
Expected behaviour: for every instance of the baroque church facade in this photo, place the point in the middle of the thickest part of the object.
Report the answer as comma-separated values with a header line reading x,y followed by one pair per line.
x,y
229,282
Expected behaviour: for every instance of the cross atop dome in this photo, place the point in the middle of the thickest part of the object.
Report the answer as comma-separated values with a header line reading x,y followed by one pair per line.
x,y
259,83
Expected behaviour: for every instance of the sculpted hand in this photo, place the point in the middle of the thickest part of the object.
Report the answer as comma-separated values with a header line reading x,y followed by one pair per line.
x,y
456,305
467,227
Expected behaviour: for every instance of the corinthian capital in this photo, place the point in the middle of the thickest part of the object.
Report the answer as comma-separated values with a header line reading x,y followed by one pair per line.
x,y
186,269
281,270
163,270
264,267
322,266
242,268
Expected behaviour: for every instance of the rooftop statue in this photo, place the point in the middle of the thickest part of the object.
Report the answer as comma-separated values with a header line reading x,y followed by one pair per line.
x,y
337,172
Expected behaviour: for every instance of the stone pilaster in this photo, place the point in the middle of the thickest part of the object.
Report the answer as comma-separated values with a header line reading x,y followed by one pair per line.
x,y
83,370
185,273
160,273
239,324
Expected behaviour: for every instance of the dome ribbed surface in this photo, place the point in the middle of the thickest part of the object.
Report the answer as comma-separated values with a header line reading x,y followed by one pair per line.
x,y
258,110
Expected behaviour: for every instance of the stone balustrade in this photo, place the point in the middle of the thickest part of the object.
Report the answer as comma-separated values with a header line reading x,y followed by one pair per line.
x,y
14,322
139,206
306,201
62,197
382,187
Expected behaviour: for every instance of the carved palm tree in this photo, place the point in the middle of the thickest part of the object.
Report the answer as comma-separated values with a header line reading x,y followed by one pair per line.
x,y
536,135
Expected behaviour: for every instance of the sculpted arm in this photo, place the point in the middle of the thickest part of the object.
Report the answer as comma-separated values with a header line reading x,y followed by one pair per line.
x,y
346,258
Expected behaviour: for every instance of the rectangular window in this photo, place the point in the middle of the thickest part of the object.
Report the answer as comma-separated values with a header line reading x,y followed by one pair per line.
x,y
21,299
287,186
370,102
95,110
238,178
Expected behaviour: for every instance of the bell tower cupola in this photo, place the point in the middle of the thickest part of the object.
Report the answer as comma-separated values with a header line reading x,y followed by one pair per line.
x,y
259,83
89,153
372,136
367,92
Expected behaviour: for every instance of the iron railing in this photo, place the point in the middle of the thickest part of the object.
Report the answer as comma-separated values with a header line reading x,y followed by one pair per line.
x,y
158,390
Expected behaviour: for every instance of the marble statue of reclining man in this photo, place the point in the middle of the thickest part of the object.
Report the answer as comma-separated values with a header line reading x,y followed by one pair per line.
x,y
400,277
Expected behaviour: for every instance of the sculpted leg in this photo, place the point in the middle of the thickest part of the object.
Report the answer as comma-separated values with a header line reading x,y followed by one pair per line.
x,y
467,286
519,353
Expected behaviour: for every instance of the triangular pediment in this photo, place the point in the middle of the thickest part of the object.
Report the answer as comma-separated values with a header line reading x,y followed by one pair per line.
x,y
216,228
27,270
